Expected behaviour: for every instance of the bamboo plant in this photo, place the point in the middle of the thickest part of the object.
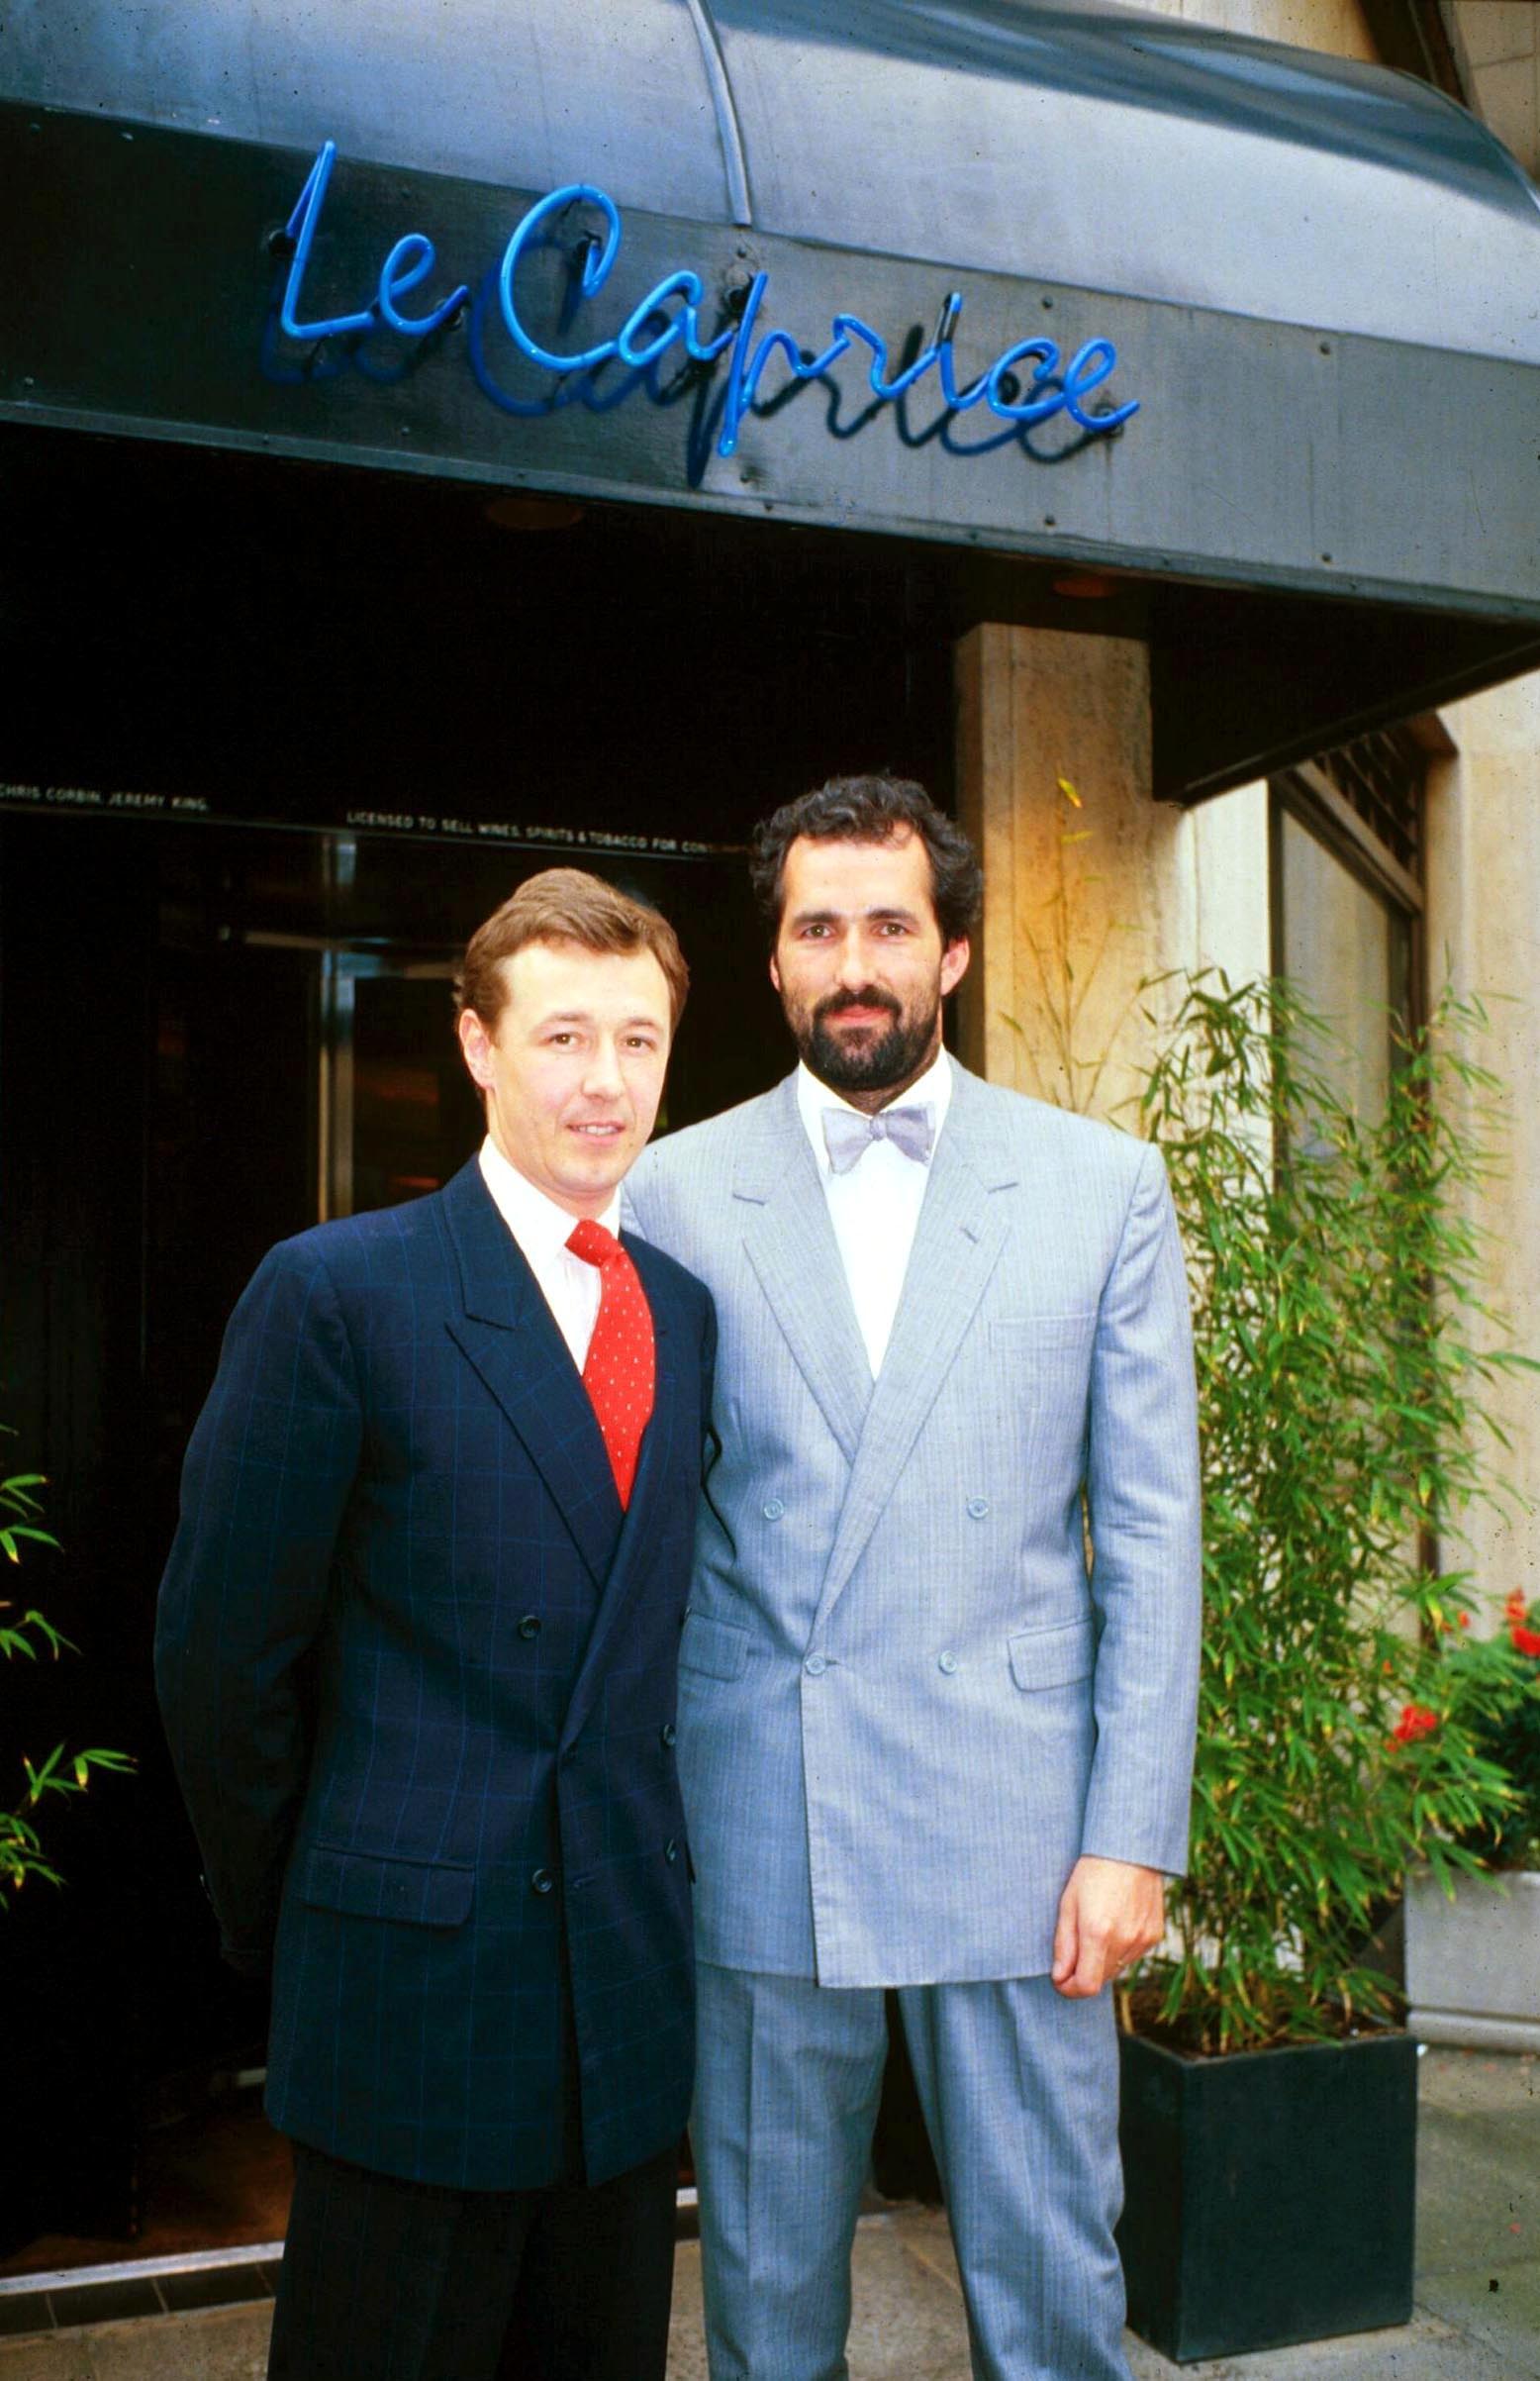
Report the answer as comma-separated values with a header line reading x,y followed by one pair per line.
x,y
1345,1357
29,1636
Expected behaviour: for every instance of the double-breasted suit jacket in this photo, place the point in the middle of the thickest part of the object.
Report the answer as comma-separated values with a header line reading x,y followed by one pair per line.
x,y
907,1703
418,1678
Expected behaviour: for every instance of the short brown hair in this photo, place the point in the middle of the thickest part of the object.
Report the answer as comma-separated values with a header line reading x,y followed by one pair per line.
x,y
566,905
872,810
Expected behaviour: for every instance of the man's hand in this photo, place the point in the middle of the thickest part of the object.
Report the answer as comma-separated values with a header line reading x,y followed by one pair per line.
x,y
1110,1913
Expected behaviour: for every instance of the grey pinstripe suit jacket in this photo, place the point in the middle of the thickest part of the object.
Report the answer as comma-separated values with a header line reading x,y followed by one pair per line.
x,y
905,1708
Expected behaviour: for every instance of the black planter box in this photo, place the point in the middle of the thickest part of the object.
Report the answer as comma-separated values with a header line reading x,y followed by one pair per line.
x,y
1270,2196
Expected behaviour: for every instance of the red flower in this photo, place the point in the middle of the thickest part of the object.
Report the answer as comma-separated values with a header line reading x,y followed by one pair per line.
x,y
1516,1608
1415,1721
1527,1640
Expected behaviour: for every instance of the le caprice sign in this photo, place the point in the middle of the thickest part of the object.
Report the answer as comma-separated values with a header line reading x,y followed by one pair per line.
x,y
1027,383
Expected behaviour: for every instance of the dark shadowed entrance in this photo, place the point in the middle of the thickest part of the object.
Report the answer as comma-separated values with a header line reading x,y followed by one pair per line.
x,y
280,739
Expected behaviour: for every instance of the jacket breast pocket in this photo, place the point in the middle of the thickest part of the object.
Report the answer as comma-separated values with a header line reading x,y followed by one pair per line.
x,y
415,1893
1032,1404
1053,1657
1025,1334
715,1648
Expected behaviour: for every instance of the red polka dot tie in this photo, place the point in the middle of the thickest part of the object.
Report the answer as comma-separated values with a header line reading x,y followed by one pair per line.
x,y
620,1373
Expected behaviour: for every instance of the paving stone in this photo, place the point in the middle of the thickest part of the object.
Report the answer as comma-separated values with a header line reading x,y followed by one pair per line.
x,y
1425,2349
221,2344
48,2357
1477,2202
1464,2083
906,2322
685,2338
1478,2165
1479,2176
1505,2321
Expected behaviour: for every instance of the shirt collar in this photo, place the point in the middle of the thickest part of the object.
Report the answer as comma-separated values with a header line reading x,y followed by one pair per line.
x,y
537,1224
932,1088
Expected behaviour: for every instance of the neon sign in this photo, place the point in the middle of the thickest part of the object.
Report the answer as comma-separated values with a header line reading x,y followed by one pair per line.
x,y
668,317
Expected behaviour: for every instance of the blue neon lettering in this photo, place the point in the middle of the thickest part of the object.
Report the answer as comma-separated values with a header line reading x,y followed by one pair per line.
x,y
670,316
685,324
958,401
740,395
397,277
595,273
747,366
1088,367
1034,409
407,266
887,393
302,230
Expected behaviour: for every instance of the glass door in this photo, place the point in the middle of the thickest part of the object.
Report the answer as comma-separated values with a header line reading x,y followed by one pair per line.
x,y
398,1113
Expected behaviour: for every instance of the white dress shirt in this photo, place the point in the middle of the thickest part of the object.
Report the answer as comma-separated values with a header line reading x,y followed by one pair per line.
x,y
875,1207
541,1228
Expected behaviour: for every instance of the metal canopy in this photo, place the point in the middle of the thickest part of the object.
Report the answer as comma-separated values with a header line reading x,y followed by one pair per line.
x,y
1084,145
1322,284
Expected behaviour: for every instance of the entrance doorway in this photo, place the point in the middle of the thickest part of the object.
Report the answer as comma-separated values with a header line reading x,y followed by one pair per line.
x,y
214,1037
319,724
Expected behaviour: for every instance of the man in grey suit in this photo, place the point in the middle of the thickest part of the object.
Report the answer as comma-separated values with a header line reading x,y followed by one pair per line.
x,y
923,1744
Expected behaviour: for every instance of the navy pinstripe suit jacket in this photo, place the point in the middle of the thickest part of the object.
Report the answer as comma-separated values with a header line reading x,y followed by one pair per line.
x,y
418,1673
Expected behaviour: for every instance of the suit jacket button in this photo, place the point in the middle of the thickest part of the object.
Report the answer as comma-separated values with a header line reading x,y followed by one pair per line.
x,y
670,1735
946,1662
773,1509
530,1626
977,1507
541,1881
671,1849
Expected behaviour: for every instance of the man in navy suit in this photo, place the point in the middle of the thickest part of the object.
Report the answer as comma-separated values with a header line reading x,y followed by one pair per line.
x,y
416,1656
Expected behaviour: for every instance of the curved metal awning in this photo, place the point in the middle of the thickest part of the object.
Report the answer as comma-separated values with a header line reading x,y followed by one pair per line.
x,y
1318,283
1084,144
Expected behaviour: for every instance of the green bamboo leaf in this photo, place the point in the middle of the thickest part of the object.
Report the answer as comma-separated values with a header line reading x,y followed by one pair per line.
x,y
21,1854
1337,1295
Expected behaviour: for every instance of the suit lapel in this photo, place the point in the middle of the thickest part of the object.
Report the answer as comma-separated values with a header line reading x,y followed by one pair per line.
x,y
654,1469
791,1245
511,1337
957,1244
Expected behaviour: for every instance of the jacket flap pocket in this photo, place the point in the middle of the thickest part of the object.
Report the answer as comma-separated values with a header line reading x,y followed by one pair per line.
x,y
416,1893
1053,1657
719,1648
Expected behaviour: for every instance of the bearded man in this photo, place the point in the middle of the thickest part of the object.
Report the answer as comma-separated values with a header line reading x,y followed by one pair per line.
x,y
923,1744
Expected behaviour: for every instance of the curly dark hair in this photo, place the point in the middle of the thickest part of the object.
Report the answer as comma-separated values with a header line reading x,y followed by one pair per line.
x,y
871,810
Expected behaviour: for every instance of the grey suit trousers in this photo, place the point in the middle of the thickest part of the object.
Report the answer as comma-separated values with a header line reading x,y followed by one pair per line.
x,y
1019,2092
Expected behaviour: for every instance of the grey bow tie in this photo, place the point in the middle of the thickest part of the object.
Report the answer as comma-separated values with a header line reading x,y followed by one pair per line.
x,y
846,1135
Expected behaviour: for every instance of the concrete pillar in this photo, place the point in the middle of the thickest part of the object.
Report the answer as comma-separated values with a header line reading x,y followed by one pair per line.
x,y
1483,936
1085,901
1222,872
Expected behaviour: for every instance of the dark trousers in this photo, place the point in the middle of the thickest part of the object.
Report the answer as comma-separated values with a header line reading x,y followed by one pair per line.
x,y
386,2280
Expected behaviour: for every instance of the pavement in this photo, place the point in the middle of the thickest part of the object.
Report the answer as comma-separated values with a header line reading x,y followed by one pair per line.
x,y
1477,2294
